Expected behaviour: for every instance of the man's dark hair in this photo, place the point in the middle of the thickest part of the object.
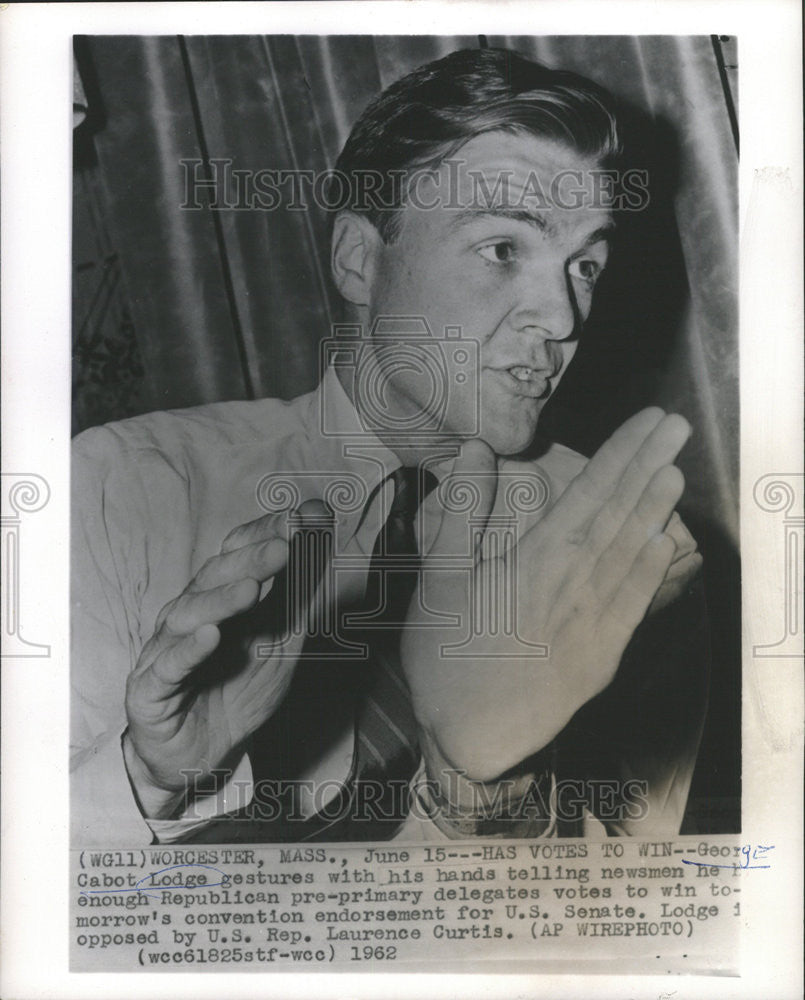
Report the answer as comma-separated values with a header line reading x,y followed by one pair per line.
x,y
425,117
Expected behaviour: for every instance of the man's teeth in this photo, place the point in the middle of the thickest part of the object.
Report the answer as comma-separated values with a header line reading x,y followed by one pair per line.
x,y
523,374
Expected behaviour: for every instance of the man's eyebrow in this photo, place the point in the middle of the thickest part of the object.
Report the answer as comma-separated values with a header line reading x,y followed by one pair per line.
x,y
536,219
539,220
605,232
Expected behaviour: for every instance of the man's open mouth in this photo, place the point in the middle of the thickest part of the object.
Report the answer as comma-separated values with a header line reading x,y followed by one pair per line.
x,y
524,374
523,380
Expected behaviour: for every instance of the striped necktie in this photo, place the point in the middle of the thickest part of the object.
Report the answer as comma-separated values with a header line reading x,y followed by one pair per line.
x,y
386,731
374,801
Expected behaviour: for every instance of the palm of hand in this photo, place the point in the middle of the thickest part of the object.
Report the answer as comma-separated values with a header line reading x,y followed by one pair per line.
x,y
577,584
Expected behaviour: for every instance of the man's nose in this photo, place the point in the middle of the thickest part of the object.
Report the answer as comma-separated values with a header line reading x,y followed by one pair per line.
x,y
545,304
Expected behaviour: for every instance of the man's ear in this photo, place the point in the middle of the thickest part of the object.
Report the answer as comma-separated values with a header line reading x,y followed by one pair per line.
x,y
353,256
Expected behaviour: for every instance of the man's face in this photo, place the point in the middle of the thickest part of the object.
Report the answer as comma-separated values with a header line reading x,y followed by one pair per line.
x,y
515,272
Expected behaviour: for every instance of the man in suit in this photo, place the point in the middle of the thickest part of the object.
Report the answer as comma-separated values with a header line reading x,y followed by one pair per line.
x,y
476,212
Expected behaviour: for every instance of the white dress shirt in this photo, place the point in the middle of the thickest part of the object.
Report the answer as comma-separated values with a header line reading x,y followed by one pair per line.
x,y
153,499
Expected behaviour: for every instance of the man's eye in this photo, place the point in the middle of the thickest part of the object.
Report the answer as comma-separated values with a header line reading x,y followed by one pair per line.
x,y
501,252
586,269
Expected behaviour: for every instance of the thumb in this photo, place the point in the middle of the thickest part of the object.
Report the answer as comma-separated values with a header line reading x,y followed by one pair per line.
x,y
467,492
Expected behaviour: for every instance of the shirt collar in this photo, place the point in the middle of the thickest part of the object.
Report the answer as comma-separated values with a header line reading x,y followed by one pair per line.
x,y
343,446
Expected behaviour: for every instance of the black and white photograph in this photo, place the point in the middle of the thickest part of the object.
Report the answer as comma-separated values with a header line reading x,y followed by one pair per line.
x,y
405,477
402,505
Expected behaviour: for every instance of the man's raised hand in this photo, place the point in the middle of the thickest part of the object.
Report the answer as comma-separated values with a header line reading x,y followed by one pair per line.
x,y
585,574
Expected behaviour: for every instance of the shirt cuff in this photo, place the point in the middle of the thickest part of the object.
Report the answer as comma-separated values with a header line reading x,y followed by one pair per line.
x,y
103,810
235,794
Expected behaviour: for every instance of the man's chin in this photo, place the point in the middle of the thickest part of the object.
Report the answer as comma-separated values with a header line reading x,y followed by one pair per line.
x,y
506,445
509,439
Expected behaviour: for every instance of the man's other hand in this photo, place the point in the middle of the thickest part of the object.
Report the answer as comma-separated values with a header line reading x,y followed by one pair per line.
x,y
183,718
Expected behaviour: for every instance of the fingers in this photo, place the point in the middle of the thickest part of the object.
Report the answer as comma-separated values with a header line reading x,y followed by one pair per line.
x,y
638,486
676,581
180,660
280,524
474,479
208,607
628,607
596,483
647,520
258,550
260,530
660,448
685,542
229,584
257,561
620,470
685,568
313,513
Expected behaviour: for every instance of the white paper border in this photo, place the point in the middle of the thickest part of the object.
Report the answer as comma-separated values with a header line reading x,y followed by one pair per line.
x,y
35,83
